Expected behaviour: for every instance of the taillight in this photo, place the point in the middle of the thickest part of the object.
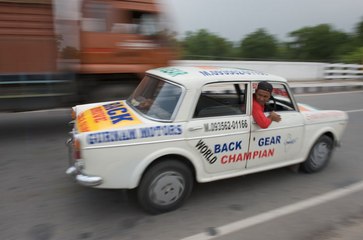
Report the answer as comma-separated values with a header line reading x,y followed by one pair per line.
x,y
76,149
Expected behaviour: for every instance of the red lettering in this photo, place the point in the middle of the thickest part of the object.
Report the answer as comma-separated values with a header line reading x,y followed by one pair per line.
x,y
264,153
82,123
232,158
271,152
223,159
247,156
98,114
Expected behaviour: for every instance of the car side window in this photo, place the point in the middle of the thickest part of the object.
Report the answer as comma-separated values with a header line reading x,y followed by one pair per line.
x,y
280,99
221,99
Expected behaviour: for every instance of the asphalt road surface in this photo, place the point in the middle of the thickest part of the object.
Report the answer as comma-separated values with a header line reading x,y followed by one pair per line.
x,y
39,202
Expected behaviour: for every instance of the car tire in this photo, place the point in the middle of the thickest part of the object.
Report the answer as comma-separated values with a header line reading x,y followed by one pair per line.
x,y
165,187
319,155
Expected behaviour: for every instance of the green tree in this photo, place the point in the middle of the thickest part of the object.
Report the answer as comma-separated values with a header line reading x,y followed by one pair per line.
x,y
321,43
359,33
354,52
355,56
205,45
317,43
259,45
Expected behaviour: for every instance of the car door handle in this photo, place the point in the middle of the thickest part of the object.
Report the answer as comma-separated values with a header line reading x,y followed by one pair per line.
x,y
195,128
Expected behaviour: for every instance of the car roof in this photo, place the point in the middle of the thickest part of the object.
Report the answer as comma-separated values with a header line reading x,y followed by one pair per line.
x,y
197,76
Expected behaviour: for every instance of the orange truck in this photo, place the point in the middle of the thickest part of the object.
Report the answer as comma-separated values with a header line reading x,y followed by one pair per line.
x,y
115,42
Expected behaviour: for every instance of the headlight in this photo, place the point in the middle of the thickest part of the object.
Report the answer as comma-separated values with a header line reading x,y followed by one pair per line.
x,y
74,116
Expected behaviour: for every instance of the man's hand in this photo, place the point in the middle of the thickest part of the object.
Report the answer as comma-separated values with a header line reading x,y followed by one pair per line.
x,y
274,117
146,104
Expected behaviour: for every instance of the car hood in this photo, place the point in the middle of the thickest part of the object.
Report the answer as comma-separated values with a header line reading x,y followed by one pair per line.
x,y
306,108
313,115
104,116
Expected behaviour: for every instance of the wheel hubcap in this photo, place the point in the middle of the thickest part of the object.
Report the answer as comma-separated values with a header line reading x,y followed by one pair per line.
x,y
320,154
167,188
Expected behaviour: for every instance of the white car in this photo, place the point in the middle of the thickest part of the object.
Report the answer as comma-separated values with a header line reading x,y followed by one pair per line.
x,y
193,124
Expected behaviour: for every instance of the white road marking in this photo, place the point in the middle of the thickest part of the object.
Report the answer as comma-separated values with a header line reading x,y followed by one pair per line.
x,y
325,93
356,110
267,216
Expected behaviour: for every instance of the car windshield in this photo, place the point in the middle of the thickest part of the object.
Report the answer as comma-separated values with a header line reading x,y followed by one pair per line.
x,y
156,98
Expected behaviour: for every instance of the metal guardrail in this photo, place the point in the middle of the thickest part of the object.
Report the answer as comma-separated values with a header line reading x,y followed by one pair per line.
x,y
25,92
35,85
343,71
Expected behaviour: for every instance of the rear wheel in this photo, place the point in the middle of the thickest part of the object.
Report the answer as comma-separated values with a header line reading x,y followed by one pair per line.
x,y
319,155
165,187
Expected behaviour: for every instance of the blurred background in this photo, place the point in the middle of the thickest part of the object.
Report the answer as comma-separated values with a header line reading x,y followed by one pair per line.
x,y
61,52
54,54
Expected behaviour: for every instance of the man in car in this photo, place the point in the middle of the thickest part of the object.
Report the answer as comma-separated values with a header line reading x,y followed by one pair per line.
x,y
260,98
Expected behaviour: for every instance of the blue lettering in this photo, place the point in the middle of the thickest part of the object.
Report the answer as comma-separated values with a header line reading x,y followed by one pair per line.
x,y
113,111
144,133
112,106
122,117
116,136
232,146
217,148
261,142
224,148
230,72
269,141
205,73
238,145
158,131
179,130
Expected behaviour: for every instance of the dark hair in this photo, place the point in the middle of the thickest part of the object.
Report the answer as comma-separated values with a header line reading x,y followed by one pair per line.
x,y
265,86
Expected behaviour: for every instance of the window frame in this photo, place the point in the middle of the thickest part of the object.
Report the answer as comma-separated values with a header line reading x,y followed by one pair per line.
x,y
287,89
236,86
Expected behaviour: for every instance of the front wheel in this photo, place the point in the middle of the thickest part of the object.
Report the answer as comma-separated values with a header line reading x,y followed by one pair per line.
x,y
319,155
165,187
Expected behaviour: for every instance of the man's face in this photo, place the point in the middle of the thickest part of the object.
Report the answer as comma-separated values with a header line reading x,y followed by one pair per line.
x,y
262,96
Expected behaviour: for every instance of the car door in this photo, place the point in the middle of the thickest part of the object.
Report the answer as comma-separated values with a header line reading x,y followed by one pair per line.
x,y
281,142
218,132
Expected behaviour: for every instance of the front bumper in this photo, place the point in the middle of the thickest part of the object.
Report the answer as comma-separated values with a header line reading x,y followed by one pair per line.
x,y
75,169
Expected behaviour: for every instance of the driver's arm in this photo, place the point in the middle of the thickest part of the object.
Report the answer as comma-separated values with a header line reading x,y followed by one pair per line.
x,y
274,117
259,116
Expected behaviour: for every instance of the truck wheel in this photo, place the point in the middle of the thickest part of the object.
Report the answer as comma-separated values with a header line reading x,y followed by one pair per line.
x,y
319,155
165,187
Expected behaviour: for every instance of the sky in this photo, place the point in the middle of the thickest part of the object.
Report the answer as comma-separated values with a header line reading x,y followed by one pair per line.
x,y
235,19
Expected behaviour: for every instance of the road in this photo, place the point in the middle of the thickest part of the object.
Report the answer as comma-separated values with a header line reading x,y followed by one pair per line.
x,y
39,202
